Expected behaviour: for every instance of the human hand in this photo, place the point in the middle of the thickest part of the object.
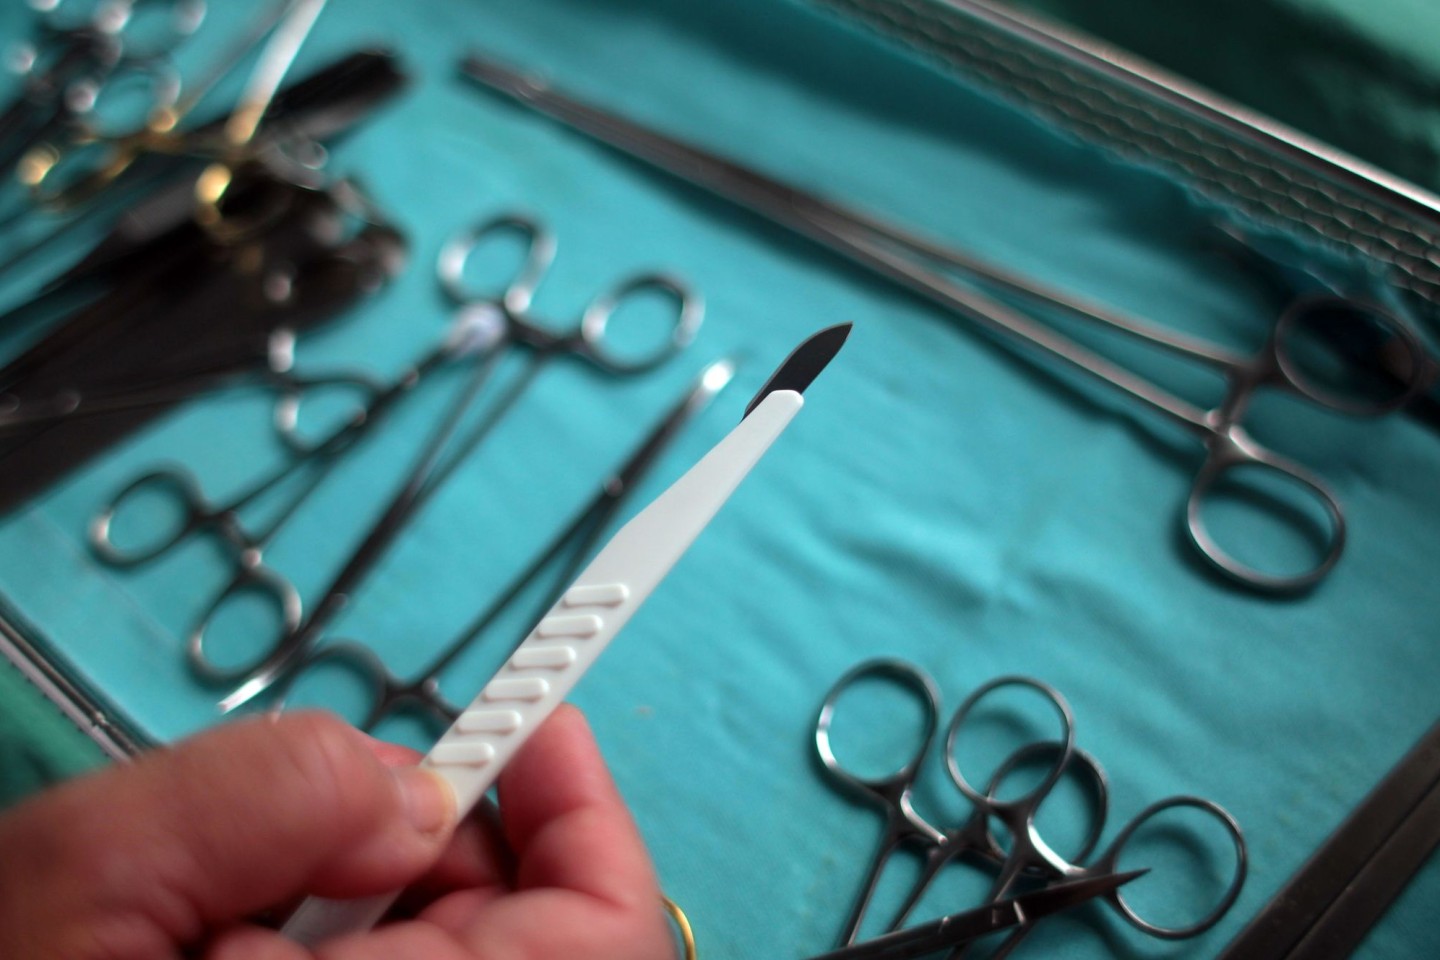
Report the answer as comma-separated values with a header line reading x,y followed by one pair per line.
x,y
172,855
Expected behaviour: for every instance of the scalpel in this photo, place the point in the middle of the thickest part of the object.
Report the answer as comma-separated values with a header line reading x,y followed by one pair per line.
x,y
588,615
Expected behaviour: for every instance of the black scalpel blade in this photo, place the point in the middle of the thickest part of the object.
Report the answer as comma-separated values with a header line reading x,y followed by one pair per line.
x,y
956,929
804,364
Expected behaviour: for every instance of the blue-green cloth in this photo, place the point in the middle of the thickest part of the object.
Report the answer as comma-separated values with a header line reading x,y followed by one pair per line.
x,y
939,499
38,745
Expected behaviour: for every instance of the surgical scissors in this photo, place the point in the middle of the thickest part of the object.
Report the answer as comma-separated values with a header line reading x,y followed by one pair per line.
x,y
486,326
557,564
1028,856
927,268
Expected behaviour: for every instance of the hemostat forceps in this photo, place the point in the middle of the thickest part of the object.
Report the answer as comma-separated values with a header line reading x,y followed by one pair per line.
x,y
489,325
928,269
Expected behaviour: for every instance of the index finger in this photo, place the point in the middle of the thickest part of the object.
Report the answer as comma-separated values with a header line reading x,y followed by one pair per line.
x,y
584,885
567,822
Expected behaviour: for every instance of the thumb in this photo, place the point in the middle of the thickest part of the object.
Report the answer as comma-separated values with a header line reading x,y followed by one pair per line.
x,y
137,859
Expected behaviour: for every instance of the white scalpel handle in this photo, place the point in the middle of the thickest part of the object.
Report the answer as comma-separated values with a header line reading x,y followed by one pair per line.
x,y
563,645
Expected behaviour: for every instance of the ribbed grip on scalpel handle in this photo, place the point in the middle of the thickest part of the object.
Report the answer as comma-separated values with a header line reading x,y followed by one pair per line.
x,y
563,645
471,754
529,687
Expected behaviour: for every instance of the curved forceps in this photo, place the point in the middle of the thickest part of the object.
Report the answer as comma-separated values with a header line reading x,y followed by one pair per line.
x,y
929,269
488,325
894,793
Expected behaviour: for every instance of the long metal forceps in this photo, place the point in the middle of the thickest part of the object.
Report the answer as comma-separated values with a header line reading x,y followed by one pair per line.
x,y
496,323
925,267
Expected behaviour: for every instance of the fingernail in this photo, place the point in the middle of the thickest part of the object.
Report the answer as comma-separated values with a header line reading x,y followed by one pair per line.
x,y
429,801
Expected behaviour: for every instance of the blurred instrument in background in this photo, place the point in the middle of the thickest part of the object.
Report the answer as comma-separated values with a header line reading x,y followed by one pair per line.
x,y
219,243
